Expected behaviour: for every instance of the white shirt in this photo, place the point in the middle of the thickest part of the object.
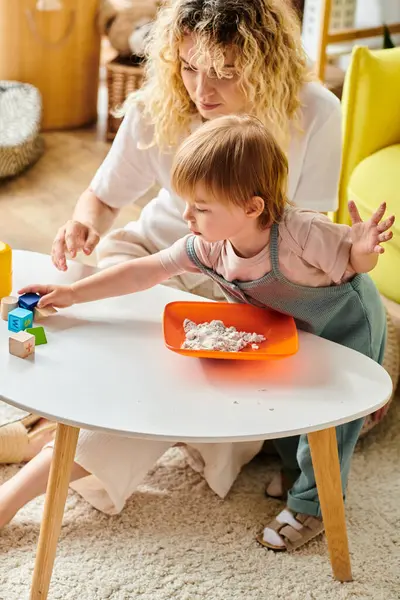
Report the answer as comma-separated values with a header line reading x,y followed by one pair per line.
x,y
128,170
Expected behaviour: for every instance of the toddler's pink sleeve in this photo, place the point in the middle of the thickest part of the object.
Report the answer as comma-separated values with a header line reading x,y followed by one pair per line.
x,y
327,247
176,261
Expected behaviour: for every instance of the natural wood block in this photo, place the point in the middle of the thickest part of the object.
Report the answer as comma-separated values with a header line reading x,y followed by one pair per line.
x,y
21,344
42,313
8,303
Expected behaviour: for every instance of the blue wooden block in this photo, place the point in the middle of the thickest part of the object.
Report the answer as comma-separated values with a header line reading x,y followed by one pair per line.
x,y
28,301
19,319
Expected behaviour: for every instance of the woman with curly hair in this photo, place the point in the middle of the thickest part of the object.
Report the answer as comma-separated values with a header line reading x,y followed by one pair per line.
x,y
206,58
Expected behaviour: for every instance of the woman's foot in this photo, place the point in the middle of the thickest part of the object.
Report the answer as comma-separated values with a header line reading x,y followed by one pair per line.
x,y
290,530
23,439
39,435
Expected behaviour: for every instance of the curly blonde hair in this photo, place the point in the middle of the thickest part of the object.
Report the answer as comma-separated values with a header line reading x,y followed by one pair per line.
x,y
270,61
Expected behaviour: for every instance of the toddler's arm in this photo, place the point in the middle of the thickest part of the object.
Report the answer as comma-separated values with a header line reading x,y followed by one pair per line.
x,y
132,276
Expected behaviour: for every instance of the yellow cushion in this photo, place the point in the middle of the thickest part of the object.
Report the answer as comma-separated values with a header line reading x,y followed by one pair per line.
x,y
371,111
374,180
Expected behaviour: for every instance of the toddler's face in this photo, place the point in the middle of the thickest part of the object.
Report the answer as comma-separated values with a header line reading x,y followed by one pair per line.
x,y
212,220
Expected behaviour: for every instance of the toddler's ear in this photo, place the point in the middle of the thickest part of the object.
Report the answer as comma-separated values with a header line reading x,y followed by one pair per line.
x,y
255,207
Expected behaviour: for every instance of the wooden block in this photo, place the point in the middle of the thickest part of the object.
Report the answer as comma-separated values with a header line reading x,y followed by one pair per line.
x,y
42,313
19,319
28,301
21,344
38,332
8,303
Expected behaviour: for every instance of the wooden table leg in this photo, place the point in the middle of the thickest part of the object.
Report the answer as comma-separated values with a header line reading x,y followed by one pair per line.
x,y
325,458
56,495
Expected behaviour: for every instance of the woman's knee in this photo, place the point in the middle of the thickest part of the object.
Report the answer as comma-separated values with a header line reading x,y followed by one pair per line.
x,y
121,245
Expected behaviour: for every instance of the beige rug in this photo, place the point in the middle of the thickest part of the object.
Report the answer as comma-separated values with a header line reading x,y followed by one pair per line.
x,y
177,540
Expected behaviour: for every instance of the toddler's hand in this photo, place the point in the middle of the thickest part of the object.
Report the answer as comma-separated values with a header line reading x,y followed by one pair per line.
x,y
59,296
368,236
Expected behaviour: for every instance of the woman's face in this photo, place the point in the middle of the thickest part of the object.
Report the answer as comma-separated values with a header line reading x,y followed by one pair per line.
x,y
213,96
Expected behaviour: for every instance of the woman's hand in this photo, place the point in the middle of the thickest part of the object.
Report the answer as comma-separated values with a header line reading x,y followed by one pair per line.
x,y
368,236
73,237
59,296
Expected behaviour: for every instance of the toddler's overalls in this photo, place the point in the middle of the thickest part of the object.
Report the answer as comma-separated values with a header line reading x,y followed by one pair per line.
x,y
350,314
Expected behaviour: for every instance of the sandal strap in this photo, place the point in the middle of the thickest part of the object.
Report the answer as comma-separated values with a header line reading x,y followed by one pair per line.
x,y
276,525
288,532
308,521
30,420
294,538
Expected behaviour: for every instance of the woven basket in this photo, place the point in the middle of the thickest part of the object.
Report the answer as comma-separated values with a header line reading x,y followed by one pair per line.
x,y
20,116
124,76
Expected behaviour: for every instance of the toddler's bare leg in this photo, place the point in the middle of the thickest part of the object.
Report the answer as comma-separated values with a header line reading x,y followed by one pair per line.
x,y
29,483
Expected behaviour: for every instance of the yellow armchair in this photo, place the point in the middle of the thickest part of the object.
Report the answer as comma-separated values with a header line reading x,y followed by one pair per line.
x,y
371,150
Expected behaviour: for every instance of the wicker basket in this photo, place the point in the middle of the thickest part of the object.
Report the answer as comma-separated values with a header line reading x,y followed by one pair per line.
x,y
20,117
124,75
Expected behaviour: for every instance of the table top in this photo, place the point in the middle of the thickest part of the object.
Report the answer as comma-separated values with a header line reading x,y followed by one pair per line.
x,y
106,367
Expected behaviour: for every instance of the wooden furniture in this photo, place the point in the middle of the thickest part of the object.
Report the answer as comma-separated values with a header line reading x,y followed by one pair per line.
x,y
345,35
176,398
124,76
57,51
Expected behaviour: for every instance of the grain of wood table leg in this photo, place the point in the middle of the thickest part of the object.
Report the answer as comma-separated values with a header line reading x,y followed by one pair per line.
x,y
325,458
56,495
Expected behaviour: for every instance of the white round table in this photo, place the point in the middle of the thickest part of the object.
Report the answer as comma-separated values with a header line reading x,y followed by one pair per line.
x,y
106,367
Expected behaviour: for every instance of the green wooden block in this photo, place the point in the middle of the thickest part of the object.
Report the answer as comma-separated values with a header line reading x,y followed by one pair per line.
x,y
40,336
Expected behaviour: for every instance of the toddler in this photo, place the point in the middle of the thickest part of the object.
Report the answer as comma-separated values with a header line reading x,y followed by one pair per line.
x,y
261,250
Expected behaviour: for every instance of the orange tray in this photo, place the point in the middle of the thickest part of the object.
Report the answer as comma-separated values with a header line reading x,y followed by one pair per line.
x,y
279,330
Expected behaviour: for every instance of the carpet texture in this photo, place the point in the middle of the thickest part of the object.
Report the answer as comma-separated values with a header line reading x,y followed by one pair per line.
x,y
177,540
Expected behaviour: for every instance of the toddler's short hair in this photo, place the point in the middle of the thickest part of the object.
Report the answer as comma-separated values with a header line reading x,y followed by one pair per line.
x,y
235,158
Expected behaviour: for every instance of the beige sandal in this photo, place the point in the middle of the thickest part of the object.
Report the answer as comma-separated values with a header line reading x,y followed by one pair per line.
x,y
291,537
15,438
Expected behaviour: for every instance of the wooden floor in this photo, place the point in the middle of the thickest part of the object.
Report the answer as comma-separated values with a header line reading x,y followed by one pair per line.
x,y
34,205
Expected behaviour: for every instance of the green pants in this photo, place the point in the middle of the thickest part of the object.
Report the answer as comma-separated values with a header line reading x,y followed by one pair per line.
x,y
297,466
